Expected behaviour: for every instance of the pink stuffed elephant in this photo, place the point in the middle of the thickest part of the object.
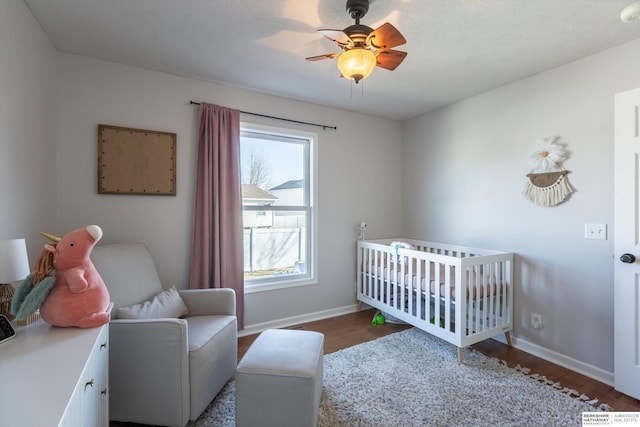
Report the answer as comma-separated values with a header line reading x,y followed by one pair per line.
x,y
79,297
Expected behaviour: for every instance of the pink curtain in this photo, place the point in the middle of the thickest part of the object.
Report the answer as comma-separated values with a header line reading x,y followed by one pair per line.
x,y
217,248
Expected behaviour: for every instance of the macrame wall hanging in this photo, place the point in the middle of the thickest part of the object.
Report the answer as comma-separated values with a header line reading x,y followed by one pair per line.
x,y
547,184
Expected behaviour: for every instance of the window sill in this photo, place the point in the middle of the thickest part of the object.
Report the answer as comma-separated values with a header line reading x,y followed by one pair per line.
x,y
273,286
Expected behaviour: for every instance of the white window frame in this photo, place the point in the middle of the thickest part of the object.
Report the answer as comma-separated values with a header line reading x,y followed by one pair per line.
x,y
310,278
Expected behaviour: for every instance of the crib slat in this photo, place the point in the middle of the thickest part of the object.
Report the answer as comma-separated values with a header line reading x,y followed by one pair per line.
x,y
393,275
482,296
403,296
427,283
500,300
506,294
484,292
493,288
418,289
460,302
447,297
438,296
370,277
367,271
500,287
490,292
408,284
477,300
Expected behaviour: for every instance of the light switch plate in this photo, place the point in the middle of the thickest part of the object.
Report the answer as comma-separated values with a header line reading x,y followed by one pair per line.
x,y
595,231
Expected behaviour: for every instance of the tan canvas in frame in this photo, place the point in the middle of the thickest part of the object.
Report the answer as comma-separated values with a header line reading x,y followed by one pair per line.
x,y
136,161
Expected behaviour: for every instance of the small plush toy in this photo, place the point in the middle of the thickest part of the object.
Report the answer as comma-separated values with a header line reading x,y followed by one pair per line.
x,y
79,297
378,319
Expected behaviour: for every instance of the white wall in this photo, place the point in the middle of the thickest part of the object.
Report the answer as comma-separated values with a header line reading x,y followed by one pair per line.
x,y
95,92
465,170
27,128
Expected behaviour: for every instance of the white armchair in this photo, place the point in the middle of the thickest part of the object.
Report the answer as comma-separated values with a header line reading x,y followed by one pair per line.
x,y
164,371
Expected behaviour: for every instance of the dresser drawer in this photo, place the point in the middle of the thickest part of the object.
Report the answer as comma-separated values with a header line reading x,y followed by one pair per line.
x,y
89,404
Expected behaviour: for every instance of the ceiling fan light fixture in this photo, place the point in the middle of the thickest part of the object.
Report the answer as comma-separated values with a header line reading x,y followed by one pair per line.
x,y
631,12
357,63
363,47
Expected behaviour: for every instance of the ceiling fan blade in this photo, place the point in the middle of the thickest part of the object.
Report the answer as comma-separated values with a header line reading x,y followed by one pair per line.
x,y
386,37
337,36
319,57
389,59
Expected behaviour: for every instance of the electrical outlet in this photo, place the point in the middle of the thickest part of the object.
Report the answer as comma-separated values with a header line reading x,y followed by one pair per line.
x,y
536,321
595,231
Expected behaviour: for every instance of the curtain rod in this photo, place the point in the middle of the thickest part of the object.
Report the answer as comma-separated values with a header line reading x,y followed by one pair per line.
x,y
325,127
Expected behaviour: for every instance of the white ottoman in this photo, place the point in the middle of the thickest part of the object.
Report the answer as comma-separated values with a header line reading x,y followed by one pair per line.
x,y
279,380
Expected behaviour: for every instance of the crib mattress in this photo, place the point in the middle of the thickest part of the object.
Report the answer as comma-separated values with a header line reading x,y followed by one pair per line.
x,y
485,284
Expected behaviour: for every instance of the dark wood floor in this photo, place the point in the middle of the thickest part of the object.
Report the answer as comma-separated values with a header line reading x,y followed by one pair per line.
x,y
351,329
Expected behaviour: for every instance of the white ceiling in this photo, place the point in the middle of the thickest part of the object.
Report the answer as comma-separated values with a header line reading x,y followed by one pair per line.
x,y
456,48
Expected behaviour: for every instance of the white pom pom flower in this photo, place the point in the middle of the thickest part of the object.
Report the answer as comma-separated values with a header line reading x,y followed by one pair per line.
x,y
547,154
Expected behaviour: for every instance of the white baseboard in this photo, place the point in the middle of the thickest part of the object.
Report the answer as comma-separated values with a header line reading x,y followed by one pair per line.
x,y
575,365
296,320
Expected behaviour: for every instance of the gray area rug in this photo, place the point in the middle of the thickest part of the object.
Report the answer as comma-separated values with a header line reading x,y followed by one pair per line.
x,y
411,378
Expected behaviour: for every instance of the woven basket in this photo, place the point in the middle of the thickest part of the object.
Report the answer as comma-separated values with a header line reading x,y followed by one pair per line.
x,y
29,320
6,293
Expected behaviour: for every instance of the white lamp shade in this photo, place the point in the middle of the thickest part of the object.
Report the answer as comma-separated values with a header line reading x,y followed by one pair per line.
x,y
14,262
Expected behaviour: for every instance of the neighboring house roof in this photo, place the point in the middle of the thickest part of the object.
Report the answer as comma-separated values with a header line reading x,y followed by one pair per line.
x,y
296,183
251,192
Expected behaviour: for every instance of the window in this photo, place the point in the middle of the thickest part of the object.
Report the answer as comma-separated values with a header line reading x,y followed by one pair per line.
x,y
278,207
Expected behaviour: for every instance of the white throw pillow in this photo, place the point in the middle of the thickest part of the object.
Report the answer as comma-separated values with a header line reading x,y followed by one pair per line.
x,y
165,304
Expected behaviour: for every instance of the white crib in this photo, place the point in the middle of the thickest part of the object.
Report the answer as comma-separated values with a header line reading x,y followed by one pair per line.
x,y
460,294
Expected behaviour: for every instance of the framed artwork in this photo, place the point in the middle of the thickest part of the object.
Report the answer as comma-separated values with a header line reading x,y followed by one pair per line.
x,y
136,161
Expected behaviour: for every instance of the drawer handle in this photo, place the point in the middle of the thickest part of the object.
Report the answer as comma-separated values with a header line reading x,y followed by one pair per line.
x,y
104,392
88,384
103,345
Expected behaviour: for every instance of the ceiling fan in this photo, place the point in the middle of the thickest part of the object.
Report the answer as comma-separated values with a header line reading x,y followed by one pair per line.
x,y
364,48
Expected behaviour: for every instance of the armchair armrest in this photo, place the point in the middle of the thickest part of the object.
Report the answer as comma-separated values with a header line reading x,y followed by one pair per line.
x,y
221,301
150,370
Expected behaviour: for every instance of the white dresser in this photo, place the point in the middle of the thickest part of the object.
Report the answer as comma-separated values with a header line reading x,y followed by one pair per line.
x,y
55,377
